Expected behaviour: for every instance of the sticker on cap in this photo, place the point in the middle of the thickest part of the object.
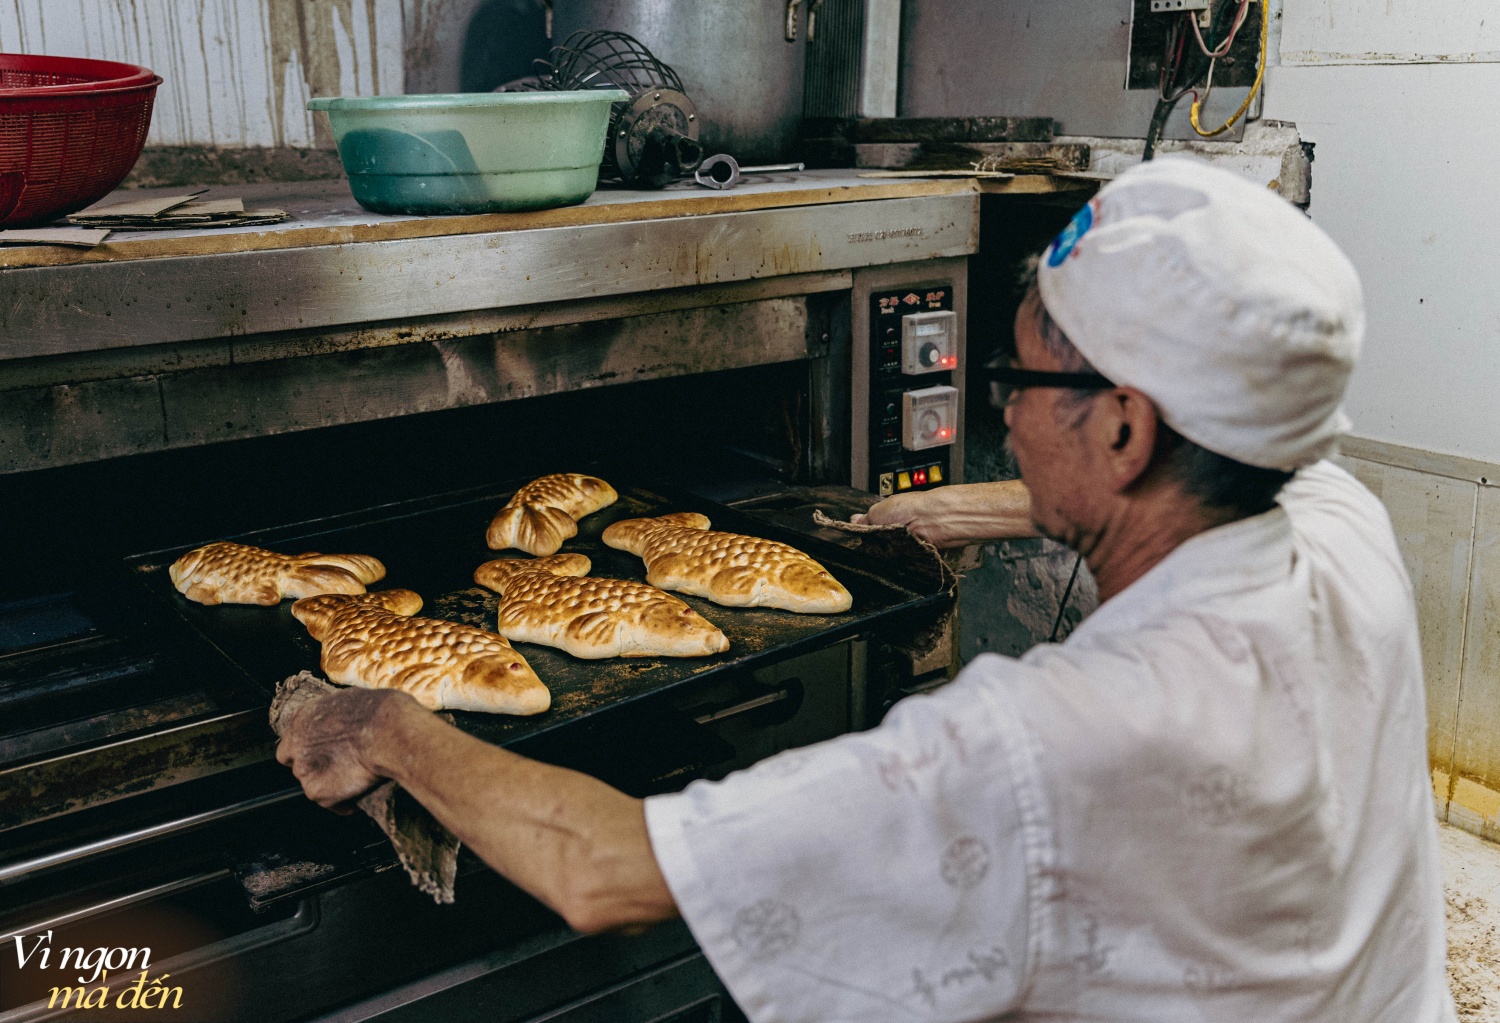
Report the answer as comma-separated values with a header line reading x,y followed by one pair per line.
x,y
1063,244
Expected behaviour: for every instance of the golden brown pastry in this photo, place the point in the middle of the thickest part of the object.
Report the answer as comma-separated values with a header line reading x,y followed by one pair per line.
x,y
545,512
683,554
232,573
548,601
372,641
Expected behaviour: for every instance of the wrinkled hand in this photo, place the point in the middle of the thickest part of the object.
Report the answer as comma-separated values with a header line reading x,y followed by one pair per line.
x,y
958,515
327,743
917,512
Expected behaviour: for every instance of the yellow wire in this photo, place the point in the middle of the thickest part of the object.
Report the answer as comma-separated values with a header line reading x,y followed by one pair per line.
x,y
1260,76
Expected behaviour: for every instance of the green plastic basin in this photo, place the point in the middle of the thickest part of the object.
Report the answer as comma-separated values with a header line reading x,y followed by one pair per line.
x,y
470,152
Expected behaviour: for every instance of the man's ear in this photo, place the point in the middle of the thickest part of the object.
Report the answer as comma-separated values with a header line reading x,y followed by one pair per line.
x,y
1121,429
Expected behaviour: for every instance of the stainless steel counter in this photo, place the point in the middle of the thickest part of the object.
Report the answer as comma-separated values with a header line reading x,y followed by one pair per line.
x,y
140,343
335,264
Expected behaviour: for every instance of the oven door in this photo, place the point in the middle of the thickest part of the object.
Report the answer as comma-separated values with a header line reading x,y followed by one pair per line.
x,y
272,909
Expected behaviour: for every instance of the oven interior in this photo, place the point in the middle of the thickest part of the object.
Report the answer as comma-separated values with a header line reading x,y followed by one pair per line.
x,y
266,907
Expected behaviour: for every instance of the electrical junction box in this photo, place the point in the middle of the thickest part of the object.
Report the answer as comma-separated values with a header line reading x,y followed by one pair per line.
x,y
1151,21
929,417
929,342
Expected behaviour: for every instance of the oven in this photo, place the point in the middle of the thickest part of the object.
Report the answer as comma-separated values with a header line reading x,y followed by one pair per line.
x,y
140,806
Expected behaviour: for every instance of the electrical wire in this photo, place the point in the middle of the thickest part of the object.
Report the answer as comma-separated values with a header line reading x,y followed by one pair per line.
x,y
1172,64
1171,70
1164,108
1068,592
1223,48
1260,78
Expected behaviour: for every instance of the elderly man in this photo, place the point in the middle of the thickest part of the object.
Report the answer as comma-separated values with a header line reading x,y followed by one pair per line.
x,y
1209,804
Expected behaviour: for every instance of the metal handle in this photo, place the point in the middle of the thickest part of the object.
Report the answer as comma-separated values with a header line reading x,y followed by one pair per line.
x,y
722,171
160,891
22,869
812,20
306,919
791,20
773,168
743,708
790,692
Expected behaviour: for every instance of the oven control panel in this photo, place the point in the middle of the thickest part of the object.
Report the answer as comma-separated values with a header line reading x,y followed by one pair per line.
x,y
929,342
929,417
913,403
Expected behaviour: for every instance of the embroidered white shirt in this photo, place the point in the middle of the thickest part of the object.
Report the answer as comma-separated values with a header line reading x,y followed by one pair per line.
x,y
1211,804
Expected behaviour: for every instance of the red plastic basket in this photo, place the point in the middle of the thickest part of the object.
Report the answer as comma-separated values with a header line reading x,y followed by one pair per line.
x,y
61,151
24,73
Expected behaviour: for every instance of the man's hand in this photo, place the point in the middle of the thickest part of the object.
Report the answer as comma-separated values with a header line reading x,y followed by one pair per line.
x,y
919,512
326,743
576,844
959,515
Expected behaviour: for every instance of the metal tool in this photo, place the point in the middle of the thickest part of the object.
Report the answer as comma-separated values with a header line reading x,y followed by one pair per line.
x,y
744,76
653,137
722,171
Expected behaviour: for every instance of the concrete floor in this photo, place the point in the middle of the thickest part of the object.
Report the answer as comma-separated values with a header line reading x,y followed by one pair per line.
x,y
1471,879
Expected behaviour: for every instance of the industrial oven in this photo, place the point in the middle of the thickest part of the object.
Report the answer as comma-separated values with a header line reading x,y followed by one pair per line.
x,y
383,384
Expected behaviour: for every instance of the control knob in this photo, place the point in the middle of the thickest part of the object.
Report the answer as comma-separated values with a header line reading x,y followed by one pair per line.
x,y
929,342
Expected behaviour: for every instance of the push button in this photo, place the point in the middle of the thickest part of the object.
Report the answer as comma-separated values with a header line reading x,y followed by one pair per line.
x,y
903,481
935,474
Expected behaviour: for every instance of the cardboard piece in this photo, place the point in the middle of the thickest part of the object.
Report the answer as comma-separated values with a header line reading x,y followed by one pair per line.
x,y
151,207
74,236
176,213
208,207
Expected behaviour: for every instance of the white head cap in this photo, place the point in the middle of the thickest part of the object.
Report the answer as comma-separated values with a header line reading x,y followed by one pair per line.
x,y
1220,301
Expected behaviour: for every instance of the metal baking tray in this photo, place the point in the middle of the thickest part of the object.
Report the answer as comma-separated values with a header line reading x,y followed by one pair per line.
x,y
432,545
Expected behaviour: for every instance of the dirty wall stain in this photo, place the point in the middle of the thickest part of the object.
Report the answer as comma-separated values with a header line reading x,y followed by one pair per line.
x,y
235,72
303,37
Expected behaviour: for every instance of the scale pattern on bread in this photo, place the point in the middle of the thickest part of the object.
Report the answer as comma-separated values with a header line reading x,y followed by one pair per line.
x,y
232,573
549,601
373,641
545,512
683,554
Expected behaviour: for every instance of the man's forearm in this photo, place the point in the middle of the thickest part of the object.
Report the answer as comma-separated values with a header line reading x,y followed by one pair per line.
x,y
573,842
987,511
957,515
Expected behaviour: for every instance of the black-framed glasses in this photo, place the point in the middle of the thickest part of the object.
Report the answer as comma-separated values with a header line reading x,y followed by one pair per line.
x,y
1006,381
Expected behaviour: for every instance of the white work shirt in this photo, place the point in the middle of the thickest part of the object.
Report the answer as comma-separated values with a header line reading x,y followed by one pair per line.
x,y
1210,804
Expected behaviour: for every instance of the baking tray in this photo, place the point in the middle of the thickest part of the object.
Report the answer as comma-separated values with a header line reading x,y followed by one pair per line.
x,y
432,545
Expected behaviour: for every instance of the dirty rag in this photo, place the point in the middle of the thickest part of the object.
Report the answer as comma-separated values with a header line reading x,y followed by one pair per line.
x,y
428,850
950,577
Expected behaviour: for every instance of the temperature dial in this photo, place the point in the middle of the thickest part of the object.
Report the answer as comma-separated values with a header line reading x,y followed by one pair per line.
x,y
929,342
929,418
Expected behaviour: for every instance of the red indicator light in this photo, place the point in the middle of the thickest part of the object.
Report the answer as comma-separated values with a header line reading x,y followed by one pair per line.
x,y
919,477
945,433
951,360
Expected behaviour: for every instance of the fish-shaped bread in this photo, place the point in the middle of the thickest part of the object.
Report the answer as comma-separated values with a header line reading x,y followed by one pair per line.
x,y
232,573
545,512
552,602
683,554
372,640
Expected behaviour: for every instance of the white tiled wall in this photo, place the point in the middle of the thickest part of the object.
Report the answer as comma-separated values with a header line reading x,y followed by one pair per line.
x,y
1446,515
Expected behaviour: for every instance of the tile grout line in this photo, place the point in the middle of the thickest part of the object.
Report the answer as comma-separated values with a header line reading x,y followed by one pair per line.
x,y
1463,648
